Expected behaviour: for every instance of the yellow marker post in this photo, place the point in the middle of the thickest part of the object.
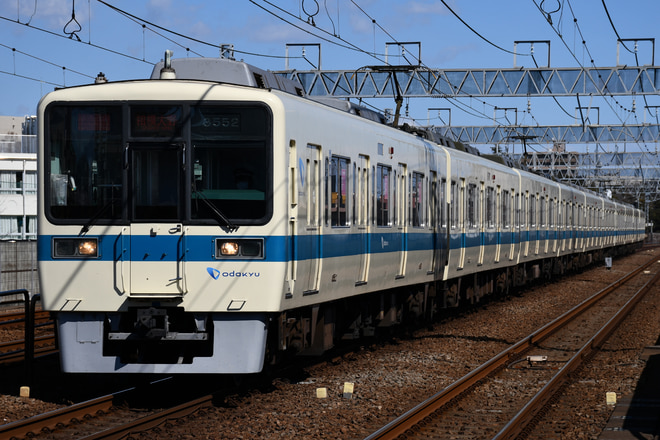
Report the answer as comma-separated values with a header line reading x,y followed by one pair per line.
x,y
611,398
348,390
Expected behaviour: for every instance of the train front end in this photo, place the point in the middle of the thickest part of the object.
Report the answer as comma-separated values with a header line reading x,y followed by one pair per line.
x,y
160,247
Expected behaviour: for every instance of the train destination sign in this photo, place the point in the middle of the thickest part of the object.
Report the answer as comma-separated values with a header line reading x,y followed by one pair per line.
x,y
156,121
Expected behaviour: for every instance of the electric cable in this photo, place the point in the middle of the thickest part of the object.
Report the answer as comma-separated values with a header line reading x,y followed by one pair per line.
x,y
609,17
178,34
95,46
346,45
477,33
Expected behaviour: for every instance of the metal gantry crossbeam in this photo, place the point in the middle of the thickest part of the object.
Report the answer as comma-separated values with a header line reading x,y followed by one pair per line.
x,y
630,174
624,159
415,81
570,134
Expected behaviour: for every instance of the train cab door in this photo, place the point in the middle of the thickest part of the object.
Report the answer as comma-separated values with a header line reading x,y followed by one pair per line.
x,y
310,243
362,220
156,235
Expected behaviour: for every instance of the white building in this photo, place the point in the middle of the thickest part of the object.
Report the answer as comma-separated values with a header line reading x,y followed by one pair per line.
x,y
18,178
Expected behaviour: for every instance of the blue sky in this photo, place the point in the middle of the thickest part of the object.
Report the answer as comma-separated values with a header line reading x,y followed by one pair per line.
x,y
36,53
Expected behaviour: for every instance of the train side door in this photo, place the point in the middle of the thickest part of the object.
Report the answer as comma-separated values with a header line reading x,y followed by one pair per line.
x,y
501,217
480,223
362,221
437,224
518,221
533,225
444,238
517,231
513,223
310,246
401,198
156,236
459,212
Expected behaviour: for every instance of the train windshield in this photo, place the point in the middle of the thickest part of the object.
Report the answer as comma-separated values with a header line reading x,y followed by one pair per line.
x,y
85,162
204,164
231,157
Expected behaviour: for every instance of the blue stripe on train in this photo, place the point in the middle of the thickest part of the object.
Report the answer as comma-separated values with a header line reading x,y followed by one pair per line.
x,y
279,248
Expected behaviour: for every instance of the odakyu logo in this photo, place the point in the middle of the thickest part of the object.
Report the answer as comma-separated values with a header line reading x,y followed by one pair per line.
x,y
216,274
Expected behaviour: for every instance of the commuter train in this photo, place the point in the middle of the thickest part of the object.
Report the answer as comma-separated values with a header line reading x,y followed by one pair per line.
x,y
213,219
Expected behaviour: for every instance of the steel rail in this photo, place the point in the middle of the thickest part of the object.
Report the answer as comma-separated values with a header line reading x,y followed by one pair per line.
x,y
19,317
56,419
519,423
14,351
401,424
52,419
153,420
20,343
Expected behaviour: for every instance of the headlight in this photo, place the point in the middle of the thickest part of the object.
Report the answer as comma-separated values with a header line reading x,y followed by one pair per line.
x,y
75,248
243,248
229,248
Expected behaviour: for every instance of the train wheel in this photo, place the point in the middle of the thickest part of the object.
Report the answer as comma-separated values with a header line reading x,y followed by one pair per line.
x,y
452,296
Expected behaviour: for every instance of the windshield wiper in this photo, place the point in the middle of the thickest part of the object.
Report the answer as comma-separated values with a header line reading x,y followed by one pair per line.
x,y
95,217
220,216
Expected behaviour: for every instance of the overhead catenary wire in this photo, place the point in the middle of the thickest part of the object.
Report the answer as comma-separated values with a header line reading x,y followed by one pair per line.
x,y
345,44
457,103
179,34
56,34
609,17
477,33
13,49
592,61
42,60
584,44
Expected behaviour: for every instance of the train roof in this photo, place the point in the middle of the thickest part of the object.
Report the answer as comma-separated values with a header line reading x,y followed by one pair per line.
x,y
229,71
226,71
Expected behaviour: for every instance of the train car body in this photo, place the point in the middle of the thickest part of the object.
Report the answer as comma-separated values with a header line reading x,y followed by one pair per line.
x,y
198,221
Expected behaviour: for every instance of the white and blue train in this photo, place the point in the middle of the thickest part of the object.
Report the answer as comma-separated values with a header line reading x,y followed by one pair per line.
x,y
212,218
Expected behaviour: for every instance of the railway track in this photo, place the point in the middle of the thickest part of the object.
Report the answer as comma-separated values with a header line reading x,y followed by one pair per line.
x,y
14,351
14,332
506,397
16,319
106,417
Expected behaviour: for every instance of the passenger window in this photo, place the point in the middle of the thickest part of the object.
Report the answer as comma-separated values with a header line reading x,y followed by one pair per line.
x,y
551,212
417,199
506,209
383,174
472,206
490,207
339,167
